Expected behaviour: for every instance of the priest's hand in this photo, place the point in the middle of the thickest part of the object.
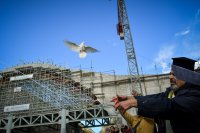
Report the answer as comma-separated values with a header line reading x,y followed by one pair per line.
x,y
124,103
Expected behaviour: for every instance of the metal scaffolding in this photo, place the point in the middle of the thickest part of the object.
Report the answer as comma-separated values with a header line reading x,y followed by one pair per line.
x,y
43,89
45,94
35,94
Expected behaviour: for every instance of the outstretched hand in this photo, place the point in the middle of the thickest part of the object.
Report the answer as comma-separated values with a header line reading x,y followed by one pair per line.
x,y
123,103
119,99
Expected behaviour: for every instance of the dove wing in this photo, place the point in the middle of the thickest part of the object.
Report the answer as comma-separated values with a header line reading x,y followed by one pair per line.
x,y
72,46
89,49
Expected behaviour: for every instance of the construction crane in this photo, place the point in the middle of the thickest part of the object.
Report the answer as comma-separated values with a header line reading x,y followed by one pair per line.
x,y
124,31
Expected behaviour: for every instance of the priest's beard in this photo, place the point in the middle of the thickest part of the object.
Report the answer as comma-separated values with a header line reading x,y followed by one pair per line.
x,y
174,86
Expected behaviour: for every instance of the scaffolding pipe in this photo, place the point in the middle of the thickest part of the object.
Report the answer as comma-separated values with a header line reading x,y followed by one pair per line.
x,y
63,121
9,124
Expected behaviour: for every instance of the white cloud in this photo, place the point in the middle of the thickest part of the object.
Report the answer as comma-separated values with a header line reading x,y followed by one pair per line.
x,y
197,14
191,26
182,33
163,58
197,65
187,46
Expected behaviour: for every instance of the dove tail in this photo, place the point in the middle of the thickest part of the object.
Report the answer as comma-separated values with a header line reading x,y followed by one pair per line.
x,y
82,54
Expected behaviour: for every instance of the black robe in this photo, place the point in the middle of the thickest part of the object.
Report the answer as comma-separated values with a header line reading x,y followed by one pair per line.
x,y
183,110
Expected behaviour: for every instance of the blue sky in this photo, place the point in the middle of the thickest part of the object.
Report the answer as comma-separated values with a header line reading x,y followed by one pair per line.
x,y
34,30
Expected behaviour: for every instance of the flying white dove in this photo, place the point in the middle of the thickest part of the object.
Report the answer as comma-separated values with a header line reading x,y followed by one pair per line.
x,y
82,48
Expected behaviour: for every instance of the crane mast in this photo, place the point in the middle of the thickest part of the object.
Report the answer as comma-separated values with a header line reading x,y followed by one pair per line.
x,y
124,31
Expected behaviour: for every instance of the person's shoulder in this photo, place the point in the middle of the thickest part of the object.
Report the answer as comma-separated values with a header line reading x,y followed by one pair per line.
x,y
193,89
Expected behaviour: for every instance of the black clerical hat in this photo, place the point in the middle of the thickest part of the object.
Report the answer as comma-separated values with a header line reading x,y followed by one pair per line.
x,y
184,63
